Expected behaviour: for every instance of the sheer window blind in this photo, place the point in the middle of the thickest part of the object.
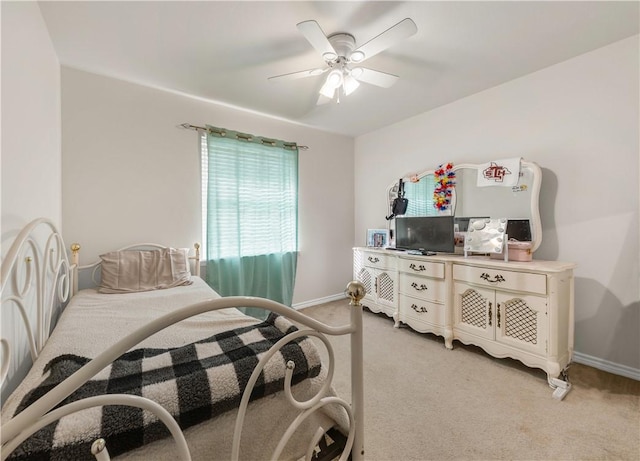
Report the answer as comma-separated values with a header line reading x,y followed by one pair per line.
x,y
420,196
249,199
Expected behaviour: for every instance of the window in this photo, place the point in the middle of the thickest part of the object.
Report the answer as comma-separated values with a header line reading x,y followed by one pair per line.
x,y
249,199
249,214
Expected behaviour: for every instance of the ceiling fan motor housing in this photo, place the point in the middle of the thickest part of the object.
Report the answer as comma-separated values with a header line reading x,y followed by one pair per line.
x,y
343,43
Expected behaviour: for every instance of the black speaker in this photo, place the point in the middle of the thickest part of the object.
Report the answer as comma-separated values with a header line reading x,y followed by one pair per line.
x,y
400,203
399,206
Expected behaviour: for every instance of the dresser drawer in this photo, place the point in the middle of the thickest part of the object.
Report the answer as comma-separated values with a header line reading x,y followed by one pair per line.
x,y
424,268
378,260
500,278
421,310
422,287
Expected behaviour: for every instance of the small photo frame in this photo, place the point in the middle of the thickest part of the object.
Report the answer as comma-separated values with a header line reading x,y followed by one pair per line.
x,y
378,238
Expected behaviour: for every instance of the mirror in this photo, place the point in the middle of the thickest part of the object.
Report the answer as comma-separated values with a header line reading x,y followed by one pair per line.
x,y
468,200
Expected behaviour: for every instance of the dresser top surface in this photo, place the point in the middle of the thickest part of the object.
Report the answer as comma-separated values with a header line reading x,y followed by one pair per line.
x,y
478,260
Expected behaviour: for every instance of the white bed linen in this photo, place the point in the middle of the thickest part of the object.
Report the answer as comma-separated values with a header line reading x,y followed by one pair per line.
x,y
93,321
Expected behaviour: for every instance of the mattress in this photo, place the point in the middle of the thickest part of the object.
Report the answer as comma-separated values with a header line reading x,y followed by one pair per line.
x,y
93,321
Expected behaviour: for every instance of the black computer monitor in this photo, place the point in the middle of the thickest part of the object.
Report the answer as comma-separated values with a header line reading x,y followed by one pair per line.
x,y
519,229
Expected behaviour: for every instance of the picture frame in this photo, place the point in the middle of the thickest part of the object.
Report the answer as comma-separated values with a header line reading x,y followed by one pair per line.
x,y
377,238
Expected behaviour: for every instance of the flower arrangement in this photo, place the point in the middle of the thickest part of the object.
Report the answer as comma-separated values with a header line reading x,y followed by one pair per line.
x,y
445,182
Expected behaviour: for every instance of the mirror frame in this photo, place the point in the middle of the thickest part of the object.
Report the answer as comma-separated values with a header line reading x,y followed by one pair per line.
x,y
536,224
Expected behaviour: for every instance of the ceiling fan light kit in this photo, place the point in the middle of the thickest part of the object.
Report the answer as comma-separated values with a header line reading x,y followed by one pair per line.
x,y
349,84
339,52
356,72
357,56
330,56
333,82
335,78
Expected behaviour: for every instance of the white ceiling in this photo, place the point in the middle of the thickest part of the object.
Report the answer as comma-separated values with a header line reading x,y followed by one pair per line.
x,y
225,51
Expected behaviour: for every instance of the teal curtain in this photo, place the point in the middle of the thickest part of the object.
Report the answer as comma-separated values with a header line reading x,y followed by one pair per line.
x,y
252,216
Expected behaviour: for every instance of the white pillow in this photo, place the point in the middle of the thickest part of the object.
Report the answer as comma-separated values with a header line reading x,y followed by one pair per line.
x,y
130,271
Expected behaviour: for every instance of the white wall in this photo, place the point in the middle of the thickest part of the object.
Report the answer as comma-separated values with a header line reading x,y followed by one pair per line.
x,y
131,175
579,121
31,168
31,157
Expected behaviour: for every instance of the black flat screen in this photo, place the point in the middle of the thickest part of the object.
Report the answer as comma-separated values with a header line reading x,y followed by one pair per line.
x,y
425,233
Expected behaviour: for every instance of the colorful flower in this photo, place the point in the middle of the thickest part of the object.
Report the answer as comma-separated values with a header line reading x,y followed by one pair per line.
x,y
445,182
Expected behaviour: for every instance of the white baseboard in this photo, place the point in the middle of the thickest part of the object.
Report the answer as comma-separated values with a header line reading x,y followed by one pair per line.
x,y
314,302
605,365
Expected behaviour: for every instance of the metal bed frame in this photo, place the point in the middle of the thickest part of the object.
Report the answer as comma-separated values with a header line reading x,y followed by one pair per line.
x,y
33,273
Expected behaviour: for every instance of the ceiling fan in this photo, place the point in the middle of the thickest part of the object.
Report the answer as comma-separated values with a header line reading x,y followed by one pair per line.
x,y
343,59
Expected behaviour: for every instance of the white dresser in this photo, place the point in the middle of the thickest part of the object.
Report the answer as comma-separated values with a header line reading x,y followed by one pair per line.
x,y
522,310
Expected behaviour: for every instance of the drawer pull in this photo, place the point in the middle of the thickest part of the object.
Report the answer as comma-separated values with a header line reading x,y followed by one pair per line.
x,y
498,314
419,268
496,279
420,310
373,260
420,287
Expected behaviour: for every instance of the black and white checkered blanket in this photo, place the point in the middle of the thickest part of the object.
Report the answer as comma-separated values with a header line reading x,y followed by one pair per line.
x,y
194,383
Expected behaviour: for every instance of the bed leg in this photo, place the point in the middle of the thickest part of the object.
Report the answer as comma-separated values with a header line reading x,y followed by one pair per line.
x,y
356,291
196,267
75,261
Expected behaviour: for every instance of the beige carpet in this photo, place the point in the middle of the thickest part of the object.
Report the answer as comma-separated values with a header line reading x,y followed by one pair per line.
x,y
424,402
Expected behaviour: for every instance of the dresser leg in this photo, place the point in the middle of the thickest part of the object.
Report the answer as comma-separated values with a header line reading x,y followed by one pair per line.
x,y
396,319
448,338
560,385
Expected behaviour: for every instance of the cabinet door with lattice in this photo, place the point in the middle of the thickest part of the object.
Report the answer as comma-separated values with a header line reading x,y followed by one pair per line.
x,y
367,276
521,321
386,288
474,310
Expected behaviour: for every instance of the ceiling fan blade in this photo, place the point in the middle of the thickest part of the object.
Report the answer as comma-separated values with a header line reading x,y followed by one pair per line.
x,y
322,100
300,74
314,34
395,34
375,77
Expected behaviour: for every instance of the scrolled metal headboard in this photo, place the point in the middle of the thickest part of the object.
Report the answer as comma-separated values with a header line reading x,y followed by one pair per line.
x,y
36,266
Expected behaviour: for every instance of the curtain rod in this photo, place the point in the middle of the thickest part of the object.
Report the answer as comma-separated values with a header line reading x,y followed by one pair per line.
x,y
189,126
